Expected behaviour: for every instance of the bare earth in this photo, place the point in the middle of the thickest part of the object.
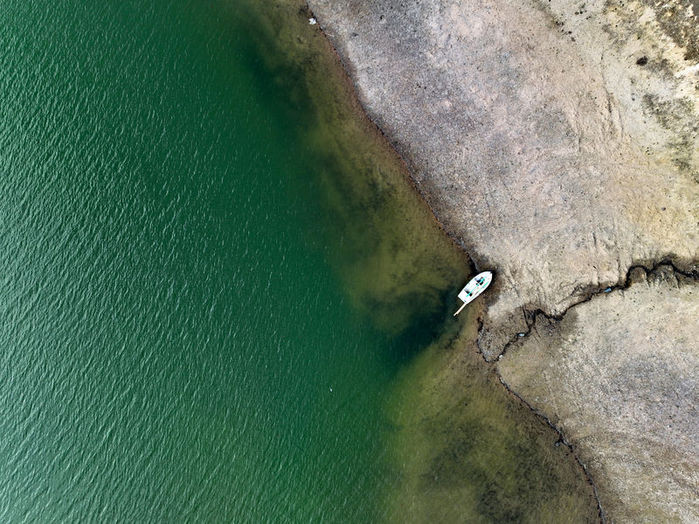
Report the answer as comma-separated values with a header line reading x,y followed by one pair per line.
x,y
557,142
633,415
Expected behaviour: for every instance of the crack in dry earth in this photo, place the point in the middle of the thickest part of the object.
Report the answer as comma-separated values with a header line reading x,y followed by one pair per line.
x,y
531,315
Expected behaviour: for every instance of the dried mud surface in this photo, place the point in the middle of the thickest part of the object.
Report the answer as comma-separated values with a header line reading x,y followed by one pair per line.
x,y
633,415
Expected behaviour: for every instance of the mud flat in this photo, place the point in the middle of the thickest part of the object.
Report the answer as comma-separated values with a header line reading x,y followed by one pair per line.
x,y
557,143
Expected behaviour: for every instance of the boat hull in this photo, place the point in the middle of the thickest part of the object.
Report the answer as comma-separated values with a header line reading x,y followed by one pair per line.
x,y
474,288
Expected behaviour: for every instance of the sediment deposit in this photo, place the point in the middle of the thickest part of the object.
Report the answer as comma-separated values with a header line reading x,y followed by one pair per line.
x,y
557,143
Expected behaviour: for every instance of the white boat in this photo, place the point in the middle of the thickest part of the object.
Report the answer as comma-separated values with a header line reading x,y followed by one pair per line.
x,y
475,287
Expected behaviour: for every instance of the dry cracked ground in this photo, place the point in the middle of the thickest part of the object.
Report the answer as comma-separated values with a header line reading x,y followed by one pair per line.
x,y
556,141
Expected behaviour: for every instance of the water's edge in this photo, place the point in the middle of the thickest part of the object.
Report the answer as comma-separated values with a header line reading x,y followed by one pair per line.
x,y
434,408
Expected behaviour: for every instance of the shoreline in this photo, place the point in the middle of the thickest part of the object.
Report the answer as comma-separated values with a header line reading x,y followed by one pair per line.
x,y
372,52
362,113
516,414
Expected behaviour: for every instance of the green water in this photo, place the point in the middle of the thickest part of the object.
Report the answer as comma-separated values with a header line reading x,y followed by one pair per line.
x,y
208,287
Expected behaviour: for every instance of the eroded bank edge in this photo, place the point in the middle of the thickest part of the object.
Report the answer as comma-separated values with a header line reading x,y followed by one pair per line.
x,y
649,268
561,440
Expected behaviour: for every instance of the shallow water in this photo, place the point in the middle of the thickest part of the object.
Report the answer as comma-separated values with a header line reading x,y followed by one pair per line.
x,y
214,275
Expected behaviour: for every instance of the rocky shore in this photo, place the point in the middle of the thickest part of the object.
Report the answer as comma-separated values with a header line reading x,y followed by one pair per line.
x,y
557,143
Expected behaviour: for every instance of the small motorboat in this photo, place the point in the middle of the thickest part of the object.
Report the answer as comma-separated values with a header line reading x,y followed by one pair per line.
x,y
475,287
